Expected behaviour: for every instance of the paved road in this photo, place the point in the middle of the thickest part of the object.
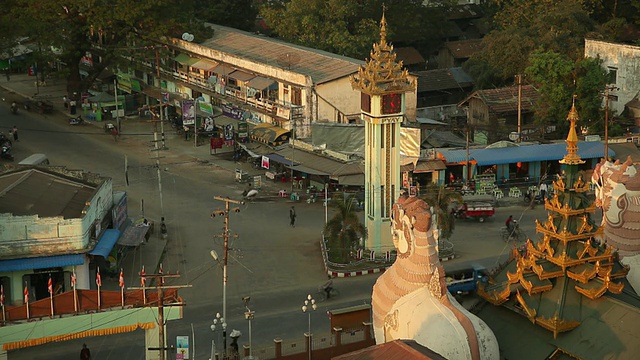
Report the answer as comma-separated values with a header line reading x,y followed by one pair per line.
x,y
274,264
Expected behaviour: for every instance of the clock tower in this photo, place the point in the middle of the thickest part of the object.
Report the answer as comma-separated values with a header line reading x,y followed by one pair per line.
x,y
382,83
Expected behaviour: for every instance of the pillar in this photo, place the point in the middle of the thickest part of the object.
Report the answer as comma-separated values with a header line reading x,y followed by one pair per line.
x,y
338,332
246,350
367,330
277,342
307,337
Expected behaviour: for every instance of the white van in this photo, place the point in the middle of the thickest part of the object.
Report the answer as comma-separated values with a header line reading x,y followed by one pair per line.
x,y
35,159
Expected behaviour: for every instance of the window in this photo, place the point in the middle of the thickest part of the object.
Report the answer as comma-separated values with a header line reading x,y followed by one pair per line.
x,y
391,104
365,102
613,75
296,96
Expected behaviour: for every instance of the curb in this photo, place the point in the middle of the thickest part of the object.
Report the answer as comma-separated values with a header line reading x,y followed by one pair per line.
x,y
342,274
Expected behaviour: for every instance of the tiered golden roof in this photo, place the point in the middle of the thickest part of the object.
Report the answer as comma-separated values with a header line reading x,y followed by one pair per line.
x,y
381,74
567,264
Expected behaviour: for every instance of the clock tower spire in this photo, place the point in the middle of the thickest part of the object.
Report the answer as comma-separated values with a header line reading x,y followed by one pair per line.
x,y
382,82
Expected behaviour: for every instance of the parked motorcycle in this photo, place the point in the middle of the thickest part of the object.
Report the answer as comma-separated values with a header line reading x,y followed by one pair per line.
x,y
78,120
5,153
4,140
537,199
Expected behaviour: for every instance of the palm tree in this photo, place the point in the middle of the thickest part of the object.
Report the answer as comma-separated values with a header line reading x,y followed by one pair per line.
x,y
441,198
344,229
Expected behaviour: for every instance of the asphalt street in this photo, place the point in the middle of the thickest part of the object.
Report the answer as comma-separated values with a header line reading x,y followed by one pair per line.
x,y
273,263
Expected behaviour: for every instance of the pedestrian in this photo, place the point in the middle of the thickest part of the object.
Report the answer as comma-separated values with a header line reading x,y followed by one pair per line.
x,y
163,228
114,133
65,102
292,216
186,132
85,353
452,178
543,190
72,107
14,131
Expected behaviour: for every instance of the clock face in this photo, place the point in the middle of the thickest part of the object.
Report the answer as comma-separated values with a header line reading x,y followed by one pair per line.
x,y
391,104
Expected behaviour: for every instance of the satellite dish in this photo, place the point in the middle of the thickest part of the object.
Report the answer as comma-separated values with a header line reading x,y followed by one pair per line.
x,y
184,36
513,136
187,37
190,37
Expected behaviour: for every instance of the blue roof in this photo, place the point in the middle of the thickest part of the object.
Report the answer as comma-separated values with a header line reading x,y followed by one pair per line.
x,y
106,243
526,153
44,262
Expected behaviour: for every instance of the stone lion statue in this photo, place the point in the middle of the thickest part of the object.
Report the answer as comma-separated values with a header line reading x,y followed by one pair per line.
x,y
617,189
410,300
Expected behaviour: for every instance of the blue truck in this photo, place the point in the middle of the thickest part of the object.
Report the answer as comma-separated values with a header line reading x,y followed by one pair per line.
x,y
465,281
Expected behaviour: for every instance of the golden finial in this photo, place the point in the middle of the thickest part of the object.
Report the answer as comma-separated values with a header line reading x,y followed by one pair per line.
x,y
383,27
572,156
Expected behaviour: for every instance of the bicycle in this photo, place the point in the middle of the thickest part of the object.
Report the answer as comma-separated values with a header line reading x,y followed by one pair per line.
x,y
321,295
514,234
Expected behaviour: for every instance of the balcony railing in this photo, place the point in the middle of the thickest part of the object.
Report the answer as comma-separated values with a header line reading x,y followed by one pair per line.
x,y
283,110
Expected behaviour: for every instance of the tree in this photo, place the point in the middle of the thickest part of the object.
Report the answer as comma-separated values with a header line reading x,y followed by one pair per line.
x,y
441,199
351,27
558,78
238,14
108,30
524,26
344,229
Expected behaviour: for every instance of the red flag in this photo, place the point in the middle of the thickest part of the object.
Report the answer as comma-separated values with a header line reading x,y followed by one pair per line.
x,y
98,278
50,285
73,279
26,294
121,280
1,295
143,280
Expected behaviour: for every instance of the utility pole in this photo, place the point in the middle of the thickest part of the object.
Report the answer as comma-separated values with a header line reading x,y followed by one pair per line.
x,y
225,236
162,348
293,150
467,163
519,79
606,120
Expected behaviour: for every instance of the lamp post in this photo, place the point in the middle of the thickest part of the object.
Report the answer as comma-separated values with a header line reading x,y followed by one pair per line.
x,y
249,315
309,304
217,320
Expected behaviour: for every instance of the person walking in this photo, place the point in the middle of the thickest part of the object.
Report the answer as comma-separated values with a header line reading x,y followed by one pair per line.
x,y
14,131
163,228
543,190
85,353
292,216
114,133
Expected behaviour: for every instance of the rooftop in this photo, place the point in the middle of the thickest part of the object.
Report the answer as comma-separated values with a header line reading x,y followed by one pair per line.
x,y
505,100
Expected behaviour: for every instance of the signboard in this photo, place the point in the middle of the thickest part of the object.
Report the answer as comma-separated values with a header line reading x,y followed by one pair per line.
x,y
265,162
257,181
243,130
205,108
188,112
182,347
232,112
124,83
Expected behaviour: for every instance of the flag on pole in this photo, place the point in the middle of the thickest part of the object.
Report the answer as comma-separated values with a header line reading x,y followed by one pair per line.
x,y
73,279
50,285
143,279
75,292
161,277
98,278
1,295
26,294
121,280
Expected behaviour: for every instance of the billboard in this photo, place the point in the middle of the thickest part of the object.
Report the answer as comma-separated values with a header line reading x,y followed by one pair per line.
x,y
188,112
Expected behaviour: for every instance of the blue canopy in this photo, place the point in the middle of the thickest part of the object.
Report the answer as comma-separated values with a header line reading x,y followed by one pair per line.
x,y
43,262
106,243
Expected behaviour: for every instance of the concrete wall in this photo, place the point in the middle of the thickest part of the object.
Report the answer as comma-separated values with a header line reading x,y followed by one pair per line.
x,y
337,96
626,59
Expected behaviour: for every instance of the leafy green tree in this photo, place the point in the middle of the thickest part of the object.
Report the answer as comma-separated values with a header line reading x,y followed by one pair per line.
x,y
344,229
558,78
524,26
441,199
108,30
351,27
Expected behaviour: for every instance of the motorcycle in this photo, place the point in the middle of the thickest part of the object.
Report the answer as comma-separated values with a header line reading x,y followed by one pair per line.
x,y
76,120
537,199
6,153
14,108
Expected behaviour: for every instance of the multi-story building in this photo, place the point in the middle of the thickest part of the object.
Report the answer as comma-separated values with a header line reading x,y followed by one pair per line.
x,y
257,79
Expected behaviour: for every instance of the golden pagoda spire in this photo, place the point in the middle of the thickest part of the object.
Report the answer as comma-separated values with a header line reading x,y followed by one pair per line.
x,y
572,157
382,74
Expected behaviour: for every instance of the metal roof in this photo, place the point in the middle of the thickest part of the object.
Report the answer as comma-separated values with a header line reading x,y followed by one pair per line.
x,y
321,66
527,153
33,192
106,243
393,350
44,262
505,100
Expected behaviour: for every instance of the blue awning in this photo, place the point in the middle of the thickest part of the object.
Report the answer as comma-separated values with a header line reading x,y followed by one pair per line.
x,y
44,262
106,243
533,153
455,155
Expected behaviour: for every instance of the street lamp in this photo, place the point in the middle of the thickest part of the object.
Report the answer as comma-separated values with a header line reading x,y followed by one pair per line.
x,y
217,320
312,302
249,315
